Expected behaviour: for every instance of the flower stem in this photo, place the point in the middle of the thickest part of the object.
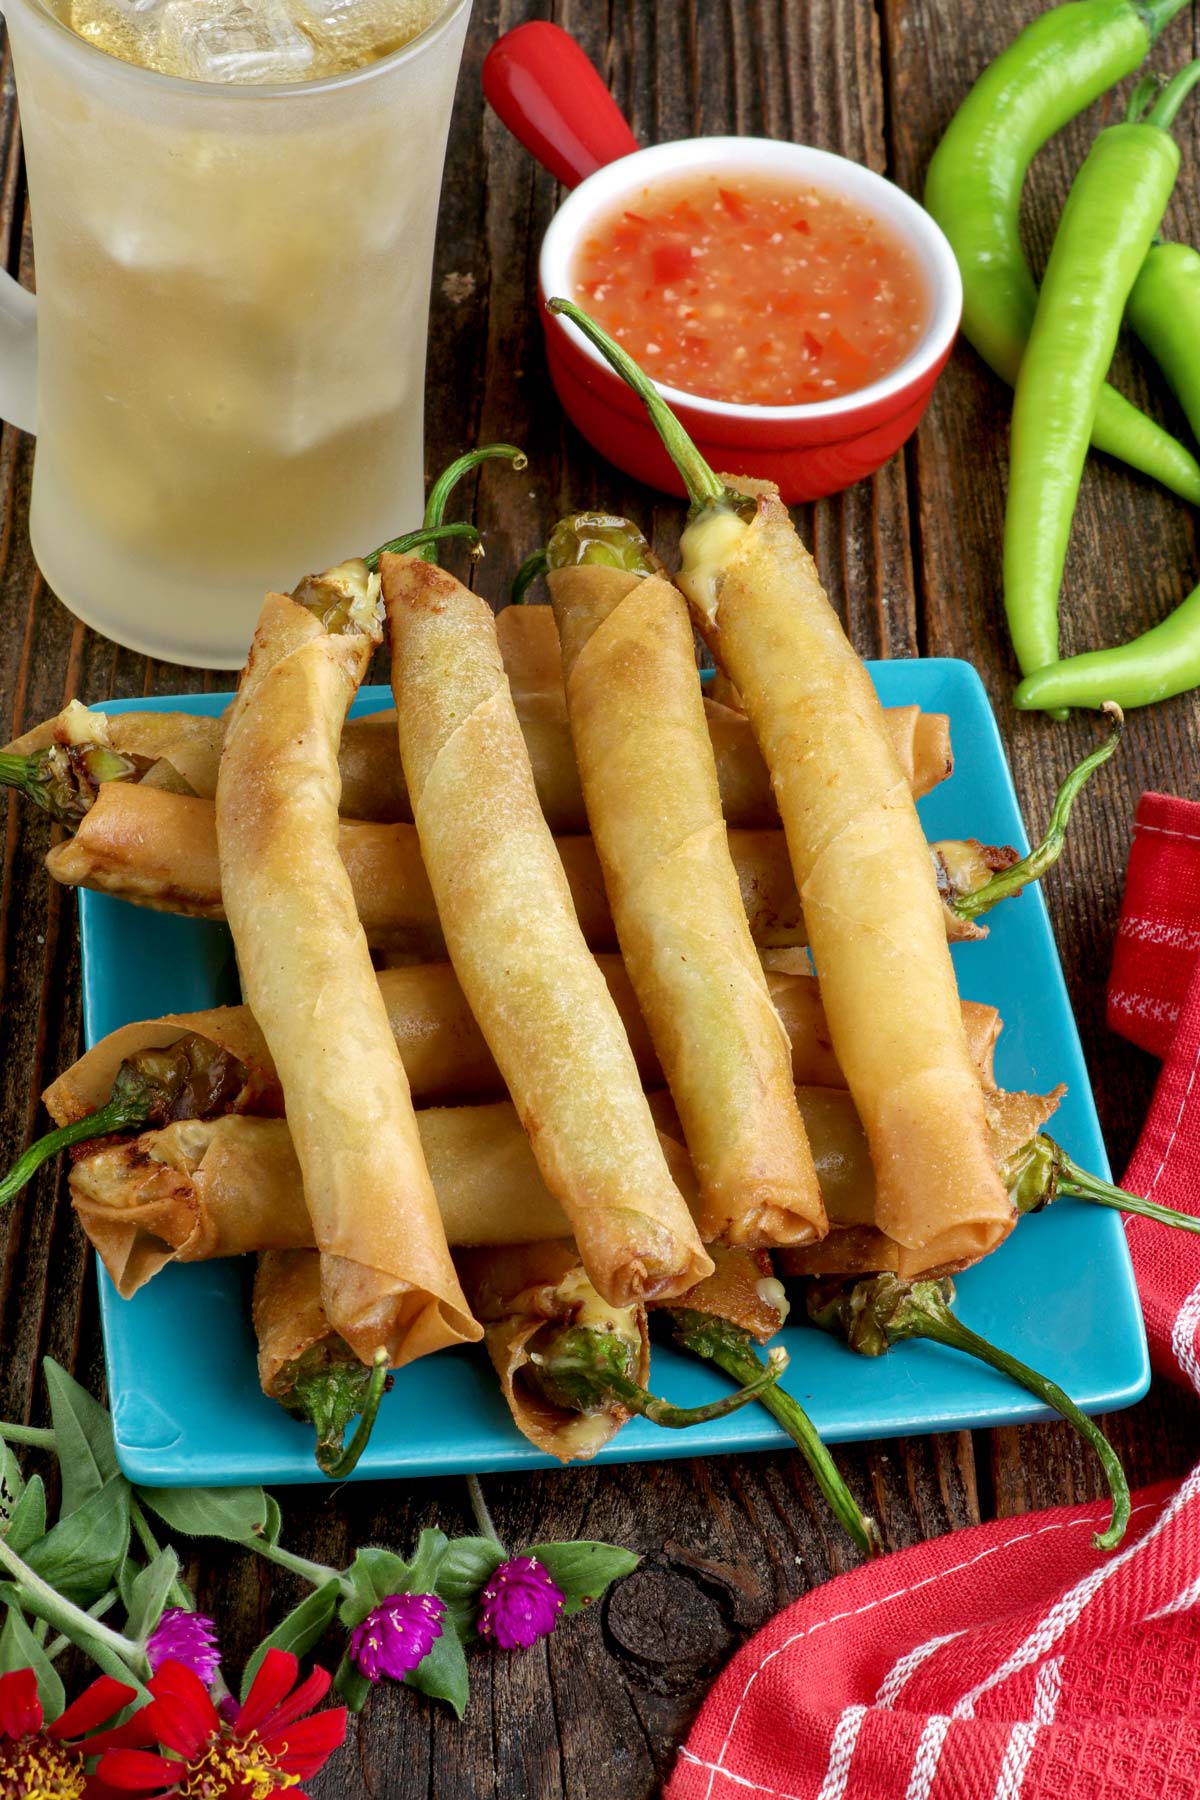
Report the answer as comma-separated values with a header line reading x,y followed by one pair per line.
x,y
315,1573
96,1610
703,487
38,1437
50,1605
732,1350
479,1507
118,1115
178,1594
1045,854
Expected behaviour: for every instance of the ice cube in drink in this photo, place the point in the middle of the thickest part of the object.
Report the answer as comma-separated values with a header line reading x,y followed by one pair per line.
x,y
231,40
347,33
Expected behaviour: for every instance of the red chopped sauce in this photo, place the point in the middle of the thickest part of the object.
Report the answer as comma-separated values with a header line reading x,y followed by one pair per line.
x,y
747,289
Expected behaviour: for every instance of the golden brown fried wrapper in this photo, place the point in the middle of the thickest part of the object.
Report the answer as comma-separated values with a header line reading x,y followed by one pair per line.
x,y
875,921
387,1277
650,783
516,945
289,1316
515,1293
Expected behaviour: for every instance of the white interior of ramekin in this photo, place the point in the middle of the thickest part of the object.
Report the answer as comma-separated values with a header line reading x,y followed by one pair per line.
x,y
808,168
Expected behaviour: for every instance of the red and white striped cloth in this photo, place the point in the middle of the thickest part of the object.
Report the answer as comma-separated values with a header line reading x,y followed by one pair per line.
x,y
1013,1661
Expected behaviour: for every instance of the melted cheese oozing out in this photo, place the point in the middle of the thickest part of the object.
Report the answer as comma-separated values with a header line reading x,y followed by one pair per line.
x,y
589,1308
76,725
705,547
772,1293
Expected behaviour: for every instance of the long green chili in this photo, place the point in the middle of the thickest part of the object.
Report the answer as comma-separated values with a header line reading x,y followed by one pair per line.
x,y
1108,224
1056,68
1164,311
875,1314
1159,664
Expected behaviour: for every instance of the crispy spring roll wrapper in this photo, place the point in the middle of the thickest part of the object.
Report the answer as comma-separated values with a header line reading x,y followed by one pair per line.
x,y
203,1188
442,1048
875,921
514,1292
650,783
199,1189
855,1244
289,1317
387,1276
743,1290
516,944
159,849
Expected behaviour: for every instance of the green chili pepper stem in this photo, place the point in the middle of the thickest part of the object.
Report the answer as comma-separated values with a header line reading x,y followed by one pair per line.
x,y
1084,1186
939,1324
338,1466
704,488
1165,108
733,1351
678,1418
535,564
118,1115
1045,854
413,540
439,493
18,772
583,1369
1157,14
1143,93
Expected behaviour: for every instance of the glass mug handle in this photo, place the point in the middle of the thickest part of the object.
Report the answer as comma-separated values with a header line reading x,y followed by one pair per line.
x,y
18,354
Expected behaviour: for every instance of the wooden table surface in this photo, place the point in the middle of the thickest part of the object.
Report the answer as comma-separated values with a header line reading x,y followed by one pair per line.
x,y
912,560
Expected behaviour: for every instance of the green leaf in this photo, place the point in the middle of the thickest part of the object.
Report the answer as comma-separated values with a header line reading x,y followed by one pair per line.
x,y
374,1575
466,1569
87,1454
273,1523
27,1521
354,1688
19,1649
82,1555
443,1673
232,1513
148,1592
423,1572
583,1571
299,1631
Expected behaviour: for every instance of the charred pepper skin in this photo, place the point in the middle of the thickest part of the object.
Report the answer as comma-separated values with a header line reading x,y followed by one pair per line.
x,y
1056,68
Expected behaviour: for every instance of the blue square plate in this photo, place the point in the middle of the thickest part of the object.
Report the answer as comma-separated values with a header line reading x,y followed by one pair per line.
x,y
1060,1293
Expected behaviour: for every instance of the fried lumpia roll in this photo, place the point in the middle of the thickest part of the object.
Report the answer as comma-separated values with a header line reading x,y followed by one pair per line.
x,y
875,920
650,784
387,1277
516,945
523,1297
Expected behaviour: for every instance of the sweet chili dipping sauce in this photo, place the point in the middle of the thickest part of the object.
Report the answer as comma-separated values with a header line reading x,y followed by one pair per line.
x,y
746,289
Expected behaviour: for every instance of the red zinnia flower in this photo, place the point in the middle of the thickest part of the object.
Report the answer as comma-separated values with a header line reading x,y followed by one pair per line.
x,y
266,1747
36,1758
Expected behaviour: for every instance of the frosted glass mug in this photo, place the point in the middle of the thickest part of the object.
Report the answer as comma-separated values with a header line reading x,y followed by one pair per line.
x,y
225,362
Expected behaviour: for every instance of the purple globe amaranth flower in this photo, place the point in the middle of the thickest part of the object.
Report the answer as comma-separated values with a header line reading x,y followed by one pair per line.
x,y
396,1635
519,1605
188,1638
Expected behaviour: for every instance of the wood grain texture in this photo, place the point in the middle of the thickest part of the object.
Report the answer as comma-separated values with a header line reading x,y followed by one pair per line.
x,y
911,559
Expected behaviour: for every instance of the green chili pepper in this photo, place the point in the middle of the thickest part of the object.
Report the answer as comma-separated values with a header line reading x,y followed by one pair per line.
x,y
583,1370
875,1314
1159,664
64,779
1040,1171
592,539
1056,67
192,1079
732,1349
1108,223
326,1387
1164,310
1045,854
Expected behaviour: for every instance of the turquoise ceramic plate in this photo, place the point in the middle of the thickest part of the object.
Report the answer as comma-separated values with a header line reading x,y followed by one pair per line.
x,y
1060,1293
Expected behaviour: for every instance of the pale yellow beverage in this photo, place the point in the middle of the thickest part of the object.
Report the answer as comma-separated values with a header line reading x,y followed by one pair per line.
x,y
233,230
